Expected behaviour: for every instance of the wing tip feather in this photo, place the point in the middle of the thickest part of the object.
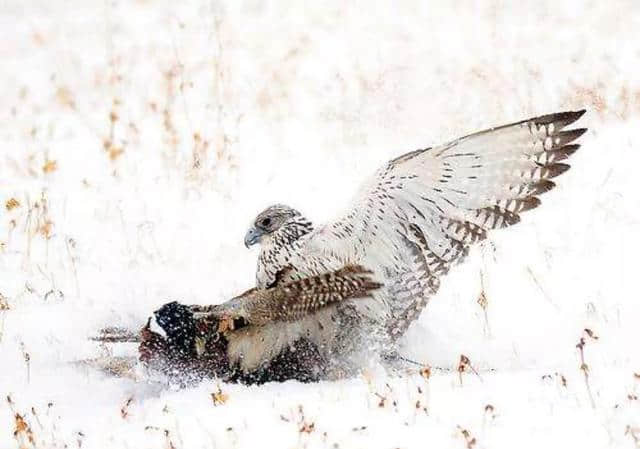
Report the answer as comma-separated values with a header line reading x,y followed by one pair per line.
x,y
564,152
530,203
542,186
568,136
565,117
556,169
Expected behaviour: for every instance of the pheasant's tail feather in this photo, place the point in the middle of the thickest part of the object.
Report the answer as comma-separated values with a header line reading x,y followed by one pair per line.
x,y
116,335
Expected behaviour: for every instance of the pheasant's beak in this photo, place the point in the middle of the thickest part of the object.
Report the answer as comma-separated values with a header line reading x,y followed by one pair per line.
x,y
253,236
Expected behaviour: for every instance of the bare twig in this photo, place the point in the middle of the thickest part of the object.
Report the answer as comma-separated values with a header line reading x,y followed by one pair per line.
x,y
464,365
71,244
27,359
542,290
583,365
483,302
634,433
124,410
304,426
469,439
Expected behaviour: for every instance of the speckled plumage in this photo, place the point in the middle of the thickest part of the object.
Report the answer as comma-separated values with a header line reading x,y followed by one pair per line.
x,y
413,220
292,300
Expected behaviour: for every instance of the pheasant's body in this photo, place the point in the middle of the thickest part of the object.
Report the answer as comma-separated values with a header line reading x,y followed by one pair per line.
x,y
225,340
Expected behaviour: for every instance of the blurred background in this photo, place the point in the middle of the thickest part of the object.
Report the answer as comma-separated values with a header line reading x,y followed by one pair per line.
x,y
138,140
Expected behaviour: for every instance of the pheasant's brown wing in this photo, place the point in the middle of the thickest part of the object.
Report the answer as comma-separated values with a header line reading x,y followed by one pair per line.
x,y
294,300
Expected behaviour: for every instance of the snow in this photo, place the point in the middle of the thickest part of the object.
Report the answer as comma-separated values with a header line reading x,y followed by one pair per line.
x,y
139,140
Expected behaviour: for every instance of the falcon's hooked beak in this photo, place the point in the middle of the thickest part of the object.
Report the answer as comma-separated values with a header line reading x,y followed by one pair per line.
x,y
253,236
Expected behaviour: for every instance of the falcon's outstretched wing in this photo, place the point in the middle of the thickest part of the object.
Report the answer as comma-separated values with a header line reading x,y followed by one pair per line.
x,y
420,213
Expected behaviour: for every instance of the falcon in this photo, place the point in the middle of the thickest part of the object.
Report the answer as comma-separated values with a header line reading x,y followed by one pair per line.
x,y
413,220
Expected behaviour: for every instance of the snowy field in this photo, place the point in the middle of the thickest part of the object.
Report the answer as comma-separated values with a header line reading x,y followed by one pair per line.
x,y
138,139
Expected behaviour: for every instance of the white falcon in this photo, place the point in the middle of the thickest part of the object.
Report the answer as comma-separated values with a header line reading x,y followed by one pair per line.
x,y
409,223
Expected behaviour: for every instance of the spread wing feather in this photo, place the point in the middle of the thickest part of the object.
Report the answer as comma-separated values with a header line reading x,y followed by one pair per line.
x,y
419,214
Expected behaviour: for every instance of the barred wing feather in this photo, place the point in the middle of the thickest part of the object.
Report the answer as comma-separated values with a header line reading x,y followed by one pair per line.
x,y
418,215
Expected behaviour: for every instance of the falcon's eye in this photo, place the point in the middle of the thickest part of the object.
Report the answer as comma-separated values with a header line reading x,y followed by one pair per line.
x,y
239,323
265,222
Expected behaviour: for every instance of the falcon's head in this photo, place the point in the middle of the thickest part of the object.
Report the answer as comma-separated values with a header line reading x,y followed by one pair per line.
x,y
279,221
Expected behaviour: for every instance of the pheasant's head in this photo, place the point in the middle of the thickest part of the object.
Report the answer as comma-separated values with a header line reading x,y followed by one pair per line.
x,y
277,223
183,346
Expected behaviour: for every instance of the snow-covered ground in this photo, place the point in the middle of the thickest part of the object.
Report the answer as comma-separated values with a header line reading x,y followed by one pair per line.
x,y
138,139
